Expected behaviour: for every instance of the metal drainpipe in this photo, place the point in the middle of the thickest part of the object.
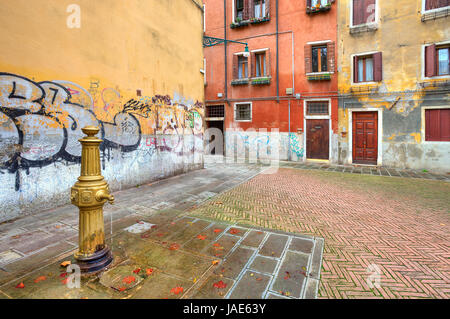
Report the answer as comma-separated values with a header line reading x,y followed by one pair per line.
x,y
289,134
278,77
225,45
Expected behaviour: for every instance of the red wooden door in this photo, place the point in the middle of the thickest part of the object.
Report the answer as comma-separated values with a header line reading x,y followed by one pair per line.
x,y
317,139
365,137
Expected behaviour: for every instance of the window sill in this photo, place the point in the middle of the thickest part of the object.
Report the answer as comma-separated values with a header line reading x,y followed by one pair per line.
x,y
311,10
319,76
239,82
435,82
259,20
240,24
369,27
435,14
261,80
242,120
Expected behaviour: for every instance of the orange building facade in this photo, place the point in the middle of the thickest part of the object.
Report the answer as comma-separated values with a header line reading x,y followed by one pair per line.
x,y
281,95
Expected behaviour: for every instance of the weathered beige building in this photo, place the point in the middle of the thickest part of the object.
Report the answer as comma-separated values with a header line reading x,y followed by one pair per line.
x,y
394,83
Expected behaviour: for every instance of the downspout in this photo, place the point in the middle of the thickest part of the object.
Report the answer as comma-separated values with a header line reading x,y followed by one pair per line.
x,y
289,134
278,70
225,45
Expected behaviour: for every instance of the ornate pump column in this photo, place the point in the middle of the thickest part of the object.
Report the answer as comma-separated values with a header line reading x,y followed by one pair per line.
x,y
90,193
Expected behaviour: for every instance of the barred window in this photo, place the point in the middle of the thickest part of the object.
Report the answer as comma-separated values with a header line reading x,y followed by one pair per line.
x,y
215,111
317,108
243,112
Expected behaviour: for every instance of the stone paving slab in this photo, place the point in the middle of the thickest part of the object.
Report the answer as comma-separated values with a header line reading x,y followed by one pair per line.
x,y
148,268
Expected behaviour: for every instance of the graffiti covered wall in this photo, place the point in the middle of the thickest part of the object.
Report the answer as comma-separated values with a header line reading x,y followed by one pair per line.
x,y
137,79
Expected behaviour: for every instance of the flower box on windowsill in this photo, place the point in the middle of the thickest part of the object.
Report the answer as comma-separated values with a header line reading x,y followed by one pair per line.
x,y
259,20
319,77
261,80
239,24
317,9
239,82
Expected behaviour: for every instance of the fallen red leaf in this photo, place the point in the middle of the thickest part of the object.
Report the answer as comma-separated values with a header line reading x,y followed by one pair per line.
x,y
145,235
216,245
288,275
174,246
122,288
129,279
136,271
176,290
40,278
64,274
149,271
160,234
65,281
220,285
21,285
234,231
201,237
217,230
258,279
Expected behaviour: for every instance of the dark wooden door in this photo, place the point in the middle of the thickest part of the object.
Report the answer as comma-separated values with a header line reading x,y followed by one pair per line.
x,y
317,139
365,137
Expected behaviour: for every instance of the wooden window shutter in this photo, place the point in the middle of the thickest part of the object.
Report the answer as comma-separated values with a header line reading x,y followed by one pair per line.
x,y
369,11
355,69
308,62
246,14
430,60
378,67
235,66
308,3
445,124
267,13
358,15
253,65
330,56
251,6
268,70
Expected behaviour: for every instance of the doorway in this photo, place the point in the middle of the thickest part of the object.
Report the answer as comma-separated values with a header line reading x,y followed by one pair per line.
x,y
365,137
317,139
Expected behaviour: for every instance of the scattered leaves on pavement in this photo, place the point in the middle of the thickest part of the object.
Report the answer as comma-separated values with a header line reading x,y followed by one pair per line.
x,y
288,275
21,285
129,279
201,237
220,284
234,231
40,278
217,230
149,271
174,246
176,290
137,270
63,275
65,281
215,262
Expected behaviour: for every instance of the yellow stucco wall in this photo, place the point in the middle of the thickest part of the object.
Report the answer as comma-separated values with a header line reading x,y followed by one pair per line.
x,y
400,36
121,47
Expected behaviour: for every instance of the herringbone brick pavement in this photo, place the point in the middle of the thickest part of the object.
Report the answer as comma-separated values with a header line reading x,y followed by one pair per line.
x,y
381,222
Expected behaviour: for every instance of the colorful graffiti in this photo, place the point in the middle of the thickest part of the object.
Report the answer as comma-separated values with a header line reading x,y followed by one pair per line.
x,y
40,122
295,145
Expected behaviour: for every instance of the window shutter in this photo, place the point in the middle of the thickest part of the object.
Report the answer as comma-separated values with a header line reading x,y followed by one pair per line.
x,y
251,5
430,60
268,70
235,67
253,65
308,3
445,124
369,11
330,56
355,69
308,65
267,9
246,14
378,67
357,12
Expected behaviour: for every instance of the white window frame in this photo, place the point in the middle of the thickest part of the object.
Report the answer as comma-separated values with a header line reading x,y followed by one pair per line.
x,y
422,128
233,2
353,66
424,62
317,43
251,111
317,117
371,24
432,10
380,133
204,18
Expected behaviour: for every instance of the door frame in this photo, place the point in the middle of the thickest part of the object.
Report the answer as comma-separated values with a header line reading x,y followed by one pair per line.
x,y
380,133
317,117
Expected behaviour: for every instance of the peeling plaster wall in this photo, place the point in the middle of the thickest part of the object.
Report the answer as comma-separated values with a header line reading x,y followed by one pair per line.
x,y
129,69
404,91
